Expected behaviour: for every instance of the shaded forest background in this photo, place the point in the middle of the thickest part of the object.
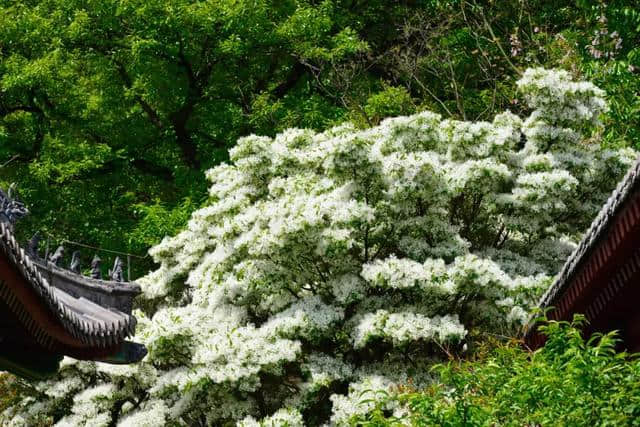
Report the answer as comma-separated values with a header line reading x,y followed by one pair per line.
x,y
111,110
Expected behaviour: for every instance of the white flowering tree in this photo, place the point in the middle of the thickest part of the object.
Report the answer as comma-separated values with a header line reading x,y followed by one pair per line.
x,y
328,265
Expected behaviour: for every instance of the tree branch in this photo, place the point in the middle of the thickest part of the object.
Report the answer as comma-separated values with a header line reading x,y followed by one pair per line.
x,y
5,111
151,113
297,71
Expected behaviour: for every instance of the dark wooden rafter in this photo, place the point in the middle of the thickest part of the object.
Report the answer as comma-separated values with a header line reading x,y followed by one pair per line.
x,y
600,278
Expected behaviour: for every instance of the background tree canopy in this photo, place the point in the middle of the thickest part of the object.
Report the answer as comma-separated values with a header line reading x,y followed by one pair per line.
x,y
111,110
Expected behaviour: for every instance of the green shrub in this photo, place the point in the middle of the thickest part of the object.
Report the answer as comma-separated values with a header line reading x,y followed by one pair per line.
x,y
391,101
569,382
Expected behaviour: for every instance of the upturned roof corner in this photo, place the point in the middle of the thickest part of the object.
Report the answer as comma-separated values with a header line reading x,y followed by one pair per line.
x,y
47,312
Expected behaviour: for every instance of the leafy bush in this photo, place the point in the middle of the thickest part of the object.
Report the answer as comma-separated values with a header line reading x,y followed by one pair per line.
x,y
158,220
392,101
569,382
331,263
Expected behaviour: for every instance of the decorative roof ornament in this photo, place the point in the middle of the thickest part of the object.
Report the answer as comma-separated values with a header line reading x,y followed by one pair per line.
x,y
32,246
56,258
11,209
75,262
116,274
95,267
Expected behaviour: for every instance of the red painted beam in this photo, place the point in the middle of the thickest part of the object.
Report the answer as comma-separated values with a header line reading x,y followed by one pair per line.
x,y
38,320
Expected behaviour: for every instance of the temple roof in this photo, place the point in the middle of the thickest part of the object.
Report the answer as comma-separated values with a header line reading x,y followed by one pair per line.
x,y
599,277
86,321
594,235
47,312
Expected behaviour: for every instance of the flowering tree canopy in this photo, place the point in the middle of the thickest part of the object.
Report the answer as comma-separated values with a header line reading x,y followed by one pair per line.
x,y
329,264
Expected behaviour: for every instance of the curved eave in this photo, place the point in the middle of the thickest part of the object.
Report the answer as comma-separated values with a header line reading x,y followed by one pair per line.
x,y
56,320
598,279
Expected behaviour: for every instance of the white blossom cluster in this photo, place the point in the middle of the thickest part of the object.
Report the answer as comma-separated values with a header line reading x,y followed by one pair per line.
x,y
331,264
283,417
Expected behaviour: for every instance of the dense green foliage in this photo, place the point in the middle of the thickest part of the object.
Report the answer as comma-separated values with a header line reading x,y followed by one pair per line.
x,y
111,110
569,382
